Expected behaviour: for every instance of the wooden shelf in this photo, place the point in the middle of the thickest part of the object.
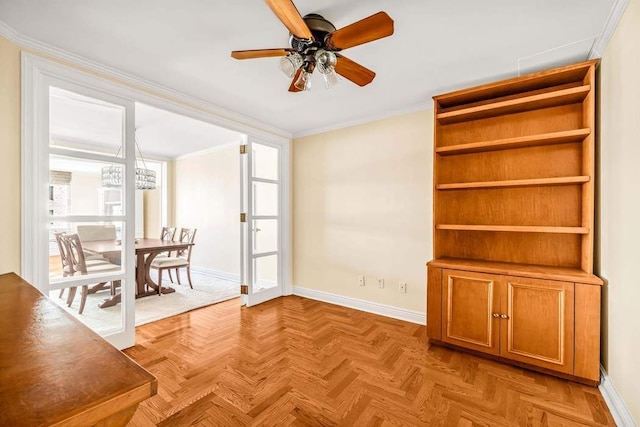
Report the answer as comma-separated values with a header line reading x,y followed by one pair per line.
x,y
518,105
514,228
517,142
513,269
537,182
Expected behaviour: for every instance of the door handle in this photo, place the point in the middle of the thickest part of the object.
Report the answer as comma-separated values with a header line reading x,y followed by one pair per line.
x,y
496,315
504,316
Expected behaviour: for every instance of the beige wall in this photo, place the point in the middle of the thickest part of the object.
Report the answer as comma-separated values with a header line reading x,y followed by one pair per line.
x,y
619,251
10,159
207,197
362,206
152,212
83,193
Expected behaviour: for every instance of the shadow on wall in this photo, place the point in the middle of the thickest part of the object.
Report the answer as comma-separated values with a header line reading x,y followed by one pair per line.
x,y
597,235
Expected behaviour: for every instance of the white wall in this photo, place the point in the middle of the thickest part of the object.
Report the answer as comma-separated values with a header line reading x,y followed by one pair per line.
x,y
207,197
618,254
362,205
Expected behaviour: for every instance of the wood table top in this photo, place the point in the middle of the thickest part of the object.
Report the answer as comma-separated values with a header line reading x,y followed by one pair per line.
x,y
54,369
103,246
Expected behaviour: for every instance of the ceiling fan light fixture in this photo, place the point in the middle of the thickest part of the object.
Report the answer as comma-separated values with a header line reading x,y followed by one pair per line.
x,y
330,79
304,81
289,64
325,60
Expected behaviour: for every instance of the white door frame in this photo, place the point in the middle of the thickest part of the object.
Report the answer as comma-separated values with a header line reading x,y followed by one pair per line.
x,y
34,67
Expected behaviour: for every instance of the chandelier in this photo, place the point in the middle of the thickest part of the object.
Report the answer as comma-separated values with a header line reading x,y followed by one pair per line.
x,y
145,178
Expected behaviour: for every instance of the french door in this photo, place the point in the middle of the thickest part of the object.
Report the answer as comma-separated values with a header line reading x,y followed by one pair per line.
x,y
80,133
262,263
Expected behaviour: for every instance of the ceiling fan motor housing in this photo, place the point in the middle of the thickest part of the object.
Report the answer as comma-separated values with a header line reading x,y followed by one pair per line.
x,y
319,27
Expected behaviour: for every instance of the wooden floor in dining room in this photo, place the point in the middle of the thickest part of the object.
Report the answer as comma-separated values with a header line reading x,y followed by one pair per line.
x,y
295,361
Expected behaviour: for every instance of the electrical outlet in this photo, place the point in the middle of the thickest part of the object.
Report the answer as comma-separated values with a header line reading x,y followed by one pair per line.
x,y
361,280
402,287
381,283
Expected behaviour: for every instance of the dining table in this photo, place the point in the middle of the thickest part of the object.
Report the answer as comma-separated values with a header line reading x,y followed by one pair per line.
x,y
146,251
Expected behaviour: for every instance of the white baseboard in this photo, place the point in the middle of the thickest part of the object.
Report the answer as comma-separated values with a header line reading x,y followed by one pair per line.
x,y
368,306
216,273
619,411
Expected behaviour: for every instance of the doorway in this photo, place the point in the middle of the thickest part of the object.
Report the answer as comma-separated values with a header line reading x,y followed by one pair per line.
x,y
70,167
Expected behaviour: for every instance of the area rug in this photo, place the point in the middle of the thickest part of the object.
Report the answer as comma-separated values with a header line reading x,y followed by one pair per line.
x,y
206,290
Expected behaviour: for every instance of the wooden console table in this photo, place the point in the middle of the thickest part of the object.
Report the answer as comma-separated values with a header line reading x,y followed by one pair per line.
x,y
56,371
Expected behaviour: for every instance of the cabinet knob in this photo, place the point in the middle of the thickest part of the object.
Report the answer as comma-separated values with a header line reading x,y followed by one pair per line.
x,y
504,316
496,315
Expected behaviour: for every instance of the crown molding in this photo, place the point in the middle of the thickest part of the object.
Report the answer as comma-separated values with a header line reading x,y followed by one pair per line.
x,y
610,25
44,49
8,33
422,106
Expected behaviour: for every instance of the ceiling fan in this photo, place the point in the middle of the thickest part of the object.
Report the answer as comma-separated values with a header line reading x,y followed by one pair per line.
x,y
315,43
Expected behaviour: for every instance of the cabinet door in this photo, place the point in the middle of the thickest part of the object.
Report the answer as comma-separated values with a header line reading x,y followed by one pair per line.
x,y
469,303
538,328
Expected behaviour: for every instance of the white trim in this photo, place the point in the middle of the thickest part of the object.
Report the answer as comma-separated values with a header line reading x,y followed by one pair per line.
x,y
370,307
367,119
232,120
610,25
210,150
225,275
86,155
619,411
591,39
9,33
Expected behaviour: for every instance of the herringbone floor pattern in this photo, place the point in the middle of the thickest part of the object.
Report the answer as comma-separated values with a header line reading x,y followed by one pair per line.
x,y
295,361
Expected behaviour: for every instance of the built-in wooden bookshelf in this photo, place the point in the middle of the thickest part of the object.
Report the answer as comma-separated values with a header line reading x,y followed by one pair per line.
x,y
514,219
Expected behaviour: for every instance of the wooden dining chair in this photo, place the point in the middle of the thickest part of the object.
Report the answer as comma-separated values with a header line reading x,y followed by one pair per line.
x,y
167,234
74,263
182,259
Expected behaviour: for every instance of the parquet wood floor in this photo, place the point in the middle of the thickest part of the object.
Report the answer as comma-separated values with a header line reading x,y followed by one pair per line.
x,y
295,361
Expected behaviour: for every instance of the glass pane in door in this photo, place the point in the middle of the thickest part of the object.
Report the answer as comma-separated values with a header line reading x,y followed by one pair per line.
x,y
265,162
265,198
77,186
80,122
265,235
265,272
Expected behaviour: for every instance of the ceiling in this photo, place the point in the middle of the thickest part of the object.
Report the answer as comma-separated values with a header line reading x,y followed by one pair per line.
x,y
438,46
81,122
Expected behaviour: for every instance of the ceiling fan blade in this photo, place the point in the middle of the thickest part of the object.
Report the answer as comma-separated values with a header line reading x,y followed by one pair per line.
x,y
287,12
292,88
367,30
353,71
259,53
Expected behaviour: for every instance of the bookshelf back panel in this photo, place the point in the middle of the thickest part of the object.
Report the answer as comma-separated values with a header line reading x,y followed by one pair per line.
x,y
557,206
560,250
564,117
522,163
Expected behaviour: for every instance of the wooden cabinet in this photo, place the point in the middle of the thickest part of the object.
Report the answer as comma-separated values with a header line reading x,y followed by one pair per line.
x,y
538,328
469,302
528,320
513,221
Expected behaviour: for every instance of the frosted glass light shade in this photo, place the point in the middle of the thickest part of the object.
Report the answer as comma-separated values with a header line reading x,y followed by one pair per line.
x,y
289,64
